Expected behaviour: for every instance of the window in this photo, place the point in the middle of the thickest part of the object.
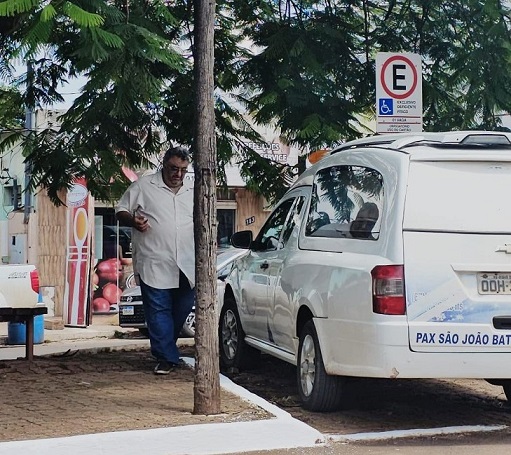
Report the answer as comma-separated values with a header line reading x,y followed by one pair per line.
x,y
347,202
116,241
225,194
225,218
12,196
269,236
294,216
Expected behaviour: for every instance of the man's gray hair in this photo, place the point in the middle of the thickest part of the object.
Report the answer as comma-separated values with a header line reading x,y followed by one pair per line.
x,y
181,152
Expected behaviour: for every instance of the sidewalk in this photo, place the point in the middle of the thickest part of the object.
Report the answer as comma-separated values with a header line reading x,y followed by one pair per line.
x,y
95,336
280,432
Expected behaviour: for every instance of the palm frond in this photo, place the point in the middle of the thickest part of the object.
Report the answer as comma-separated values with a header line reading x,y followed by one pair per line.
x,y
109,39
81,17
48,13
39,33
13,7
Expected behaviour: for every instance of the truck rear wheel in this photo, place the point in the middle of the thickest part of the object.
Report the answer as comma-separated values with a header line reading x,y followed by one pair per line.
x,y
318,390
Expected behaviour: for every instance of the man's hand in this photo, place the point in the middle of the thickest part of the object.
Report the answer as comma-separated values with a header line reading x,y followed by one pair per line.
x,y
140,223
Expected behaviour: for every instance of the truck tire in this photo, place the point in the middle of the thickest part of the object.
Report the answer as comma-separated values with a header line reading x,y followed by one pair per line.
x,y
318,390
506,385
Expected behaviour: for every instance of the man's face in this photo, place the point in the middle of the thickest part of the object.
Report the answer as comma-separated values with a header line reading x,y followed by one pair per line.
x,y
174,171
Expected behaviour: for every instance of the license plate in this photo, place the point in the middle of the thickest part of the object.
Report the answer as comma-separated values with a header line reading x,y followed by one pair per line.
x,y
494,283
128,310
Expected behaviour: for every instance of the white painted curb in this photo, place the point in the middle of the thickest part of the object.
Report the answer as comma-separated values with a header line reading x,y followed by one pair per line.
x,y
396,434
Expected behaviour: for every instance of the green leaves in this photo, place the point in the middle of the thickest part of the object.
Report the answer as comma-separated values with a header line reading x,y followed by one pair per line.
x,y
128,60
305,67
13,7
81,17
12,114
48,13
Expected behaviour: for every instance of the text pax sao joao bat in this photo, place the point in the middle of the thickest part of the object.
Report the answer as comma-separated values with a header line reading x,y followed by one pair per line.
x,y
453,338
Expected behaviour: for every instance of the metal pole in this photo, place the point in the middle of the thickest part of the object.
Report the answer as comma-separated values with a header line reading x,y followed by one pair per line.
x,y
29,127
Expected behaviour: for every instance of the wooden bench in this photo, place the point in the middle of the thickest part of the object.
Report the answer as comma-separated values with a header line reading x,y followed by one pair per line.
x,y
25,315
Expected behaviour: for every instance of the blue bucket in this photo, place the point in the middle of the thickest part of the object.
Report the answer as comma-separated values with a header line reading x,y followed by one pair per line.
x,y
17,331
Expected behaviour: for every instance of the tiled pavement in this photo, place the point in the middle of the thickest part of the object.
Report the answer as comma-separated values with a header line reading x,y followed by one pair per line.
x,y
271,429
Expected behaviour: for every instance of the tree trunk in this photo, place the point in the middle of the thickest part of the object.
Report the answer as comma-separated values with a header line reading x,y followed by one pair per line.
x,y
207,374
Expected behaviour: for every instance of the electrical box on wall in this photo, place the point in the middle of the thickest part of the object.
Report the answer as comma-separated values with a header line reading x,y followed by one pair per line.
x,y
12,196
17,249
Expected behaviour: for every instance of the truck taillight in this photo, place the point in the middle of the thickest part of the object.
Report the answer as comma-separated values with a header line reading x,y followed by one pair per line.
x,y
34,280
388,289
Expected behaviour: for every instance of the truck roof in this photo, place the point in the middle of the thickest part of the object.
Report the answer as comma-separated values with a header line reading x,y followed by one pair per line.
x,y
450,139
488,146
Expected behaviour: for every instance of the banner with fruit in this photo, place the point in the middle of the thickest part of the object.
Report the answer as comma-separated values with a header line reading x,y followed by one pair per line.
x,y
111,276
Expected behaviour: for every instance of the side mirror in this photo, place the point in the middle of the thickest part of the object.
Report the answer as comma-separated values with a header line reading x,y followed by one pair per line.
x,y
223,276
242,239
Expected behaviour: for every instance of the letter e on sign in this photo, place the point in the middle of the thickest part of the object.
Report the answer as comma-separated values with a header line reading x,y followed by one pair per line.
x,y
399,77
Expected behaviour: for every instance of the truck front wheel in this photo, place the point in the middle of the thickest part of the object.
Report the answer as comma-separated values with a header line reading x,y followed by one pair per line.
x,y
235,354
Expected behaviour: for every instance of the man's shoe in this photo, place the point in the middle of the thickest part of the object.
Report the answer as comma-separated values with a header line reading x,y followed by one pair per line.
x,y
164,367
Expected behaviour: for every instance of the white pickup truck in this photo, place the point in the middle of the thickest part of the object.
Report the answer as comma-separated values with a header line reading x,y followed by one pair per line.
x,y
19,286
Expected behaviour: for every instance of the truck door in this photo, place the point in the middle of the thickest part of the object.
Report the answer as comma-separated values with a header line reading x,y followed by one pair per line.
x,y
257,282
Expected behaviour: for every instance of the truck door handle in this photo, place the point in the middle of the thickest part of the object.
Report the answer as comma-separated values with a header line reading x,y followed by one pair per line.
x,y
264,265
502,322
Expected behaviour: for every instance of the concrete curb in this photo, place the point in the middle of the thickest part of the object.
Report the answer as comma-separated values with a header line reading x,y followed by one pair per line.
x,y
414,433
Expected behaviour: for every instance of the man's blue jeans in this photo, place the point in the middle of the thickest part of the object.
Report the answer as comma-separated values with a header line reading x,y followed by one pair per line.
x,y
165,312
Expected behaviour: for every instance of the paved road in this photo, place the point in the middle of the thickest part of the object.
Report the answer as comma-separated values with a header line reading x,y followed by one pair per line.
x,y
492,443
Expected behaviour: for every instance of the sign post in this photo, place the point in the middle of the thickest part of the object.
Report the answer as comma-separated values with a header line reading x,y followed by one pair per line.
x,y
398,92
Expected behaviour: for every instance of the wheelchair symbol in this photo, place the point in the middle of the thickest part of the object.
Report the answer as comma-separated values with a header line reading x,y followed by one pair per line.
x,y
386,106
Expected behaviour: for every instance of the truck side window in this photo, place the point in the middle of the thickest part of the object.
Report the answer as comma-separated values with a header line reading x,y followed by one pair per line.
x,y
292,219
347,202
269,236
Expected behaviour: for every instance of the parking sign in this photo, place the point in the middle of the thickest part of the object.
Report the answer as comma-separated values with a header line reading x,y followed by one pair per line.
x,y
398,92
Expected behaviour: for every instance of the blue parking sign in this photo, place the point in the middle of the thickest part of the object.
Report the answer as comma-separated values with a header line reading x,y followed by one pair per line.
x,y
386,106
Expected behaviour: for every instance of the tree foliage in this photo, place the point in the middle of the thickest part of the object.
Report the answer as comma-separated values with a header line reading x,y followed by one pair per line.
x,y
12,114
305,67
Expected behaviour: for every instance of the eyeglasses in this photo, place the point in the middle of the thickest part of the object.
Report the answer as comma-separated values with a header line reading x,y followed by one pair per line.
x,y
176,170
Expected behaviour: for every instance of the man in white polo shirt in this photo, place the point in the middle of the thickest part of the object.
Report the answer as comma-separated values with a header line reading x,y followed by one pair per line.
x,y
160,209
